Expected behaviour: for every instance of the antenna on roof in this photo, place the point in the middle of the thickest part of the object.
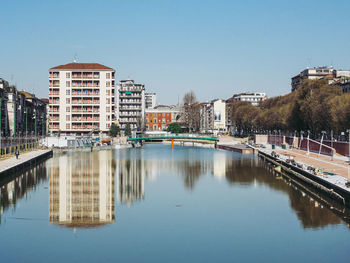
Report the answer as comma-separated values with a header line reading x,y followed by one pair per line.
x,y
75,58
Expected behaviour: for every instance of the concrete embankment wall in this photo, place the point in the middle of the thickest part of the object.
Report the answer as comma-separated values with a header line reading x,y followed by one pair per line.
x,y
337,193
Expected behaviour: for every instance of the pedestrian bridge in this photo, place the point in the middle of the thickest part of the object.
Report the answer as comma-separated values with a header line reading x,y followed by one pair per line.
x,y
199,139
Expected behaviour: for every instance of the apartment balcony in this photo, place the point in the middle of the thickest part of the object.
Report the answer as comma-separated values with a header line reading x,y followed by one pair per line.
x,y
127,121
85,75
84,127
129,102
130,108
54,75
84,84
85,119
86,102
87,94
85,111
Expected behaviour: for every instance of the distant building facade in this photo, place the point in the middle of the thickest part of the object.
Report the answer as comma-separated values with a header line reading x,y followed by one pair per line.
x,y
131,104
21,113
81,98
159,118
254,98
213,117
328,73
150,100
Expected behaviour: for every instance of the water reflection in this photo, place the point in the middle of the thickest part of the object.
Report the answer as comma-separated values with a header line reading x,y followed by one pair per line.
x,y
82,185
15,187
191,165
82,189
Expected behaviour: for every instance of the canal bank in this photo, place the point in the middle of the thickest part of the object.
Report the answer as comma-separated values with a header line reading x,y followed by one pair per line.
x,y
335,186
12,164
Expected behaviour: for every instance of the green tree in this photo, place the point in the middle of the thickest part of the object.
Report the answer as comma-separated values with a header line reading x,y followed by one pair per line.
x,y
128,130
174,128
114,130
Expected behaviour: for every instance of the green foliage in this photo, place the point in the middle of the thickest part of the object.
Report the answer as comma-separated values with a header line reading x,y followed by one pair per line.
x,y
128,130
114,130
174,128
315,106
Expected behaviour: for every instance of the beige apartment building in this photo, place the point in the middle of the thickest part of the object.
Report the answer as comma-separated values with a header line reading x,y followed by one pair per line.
x,y
81,98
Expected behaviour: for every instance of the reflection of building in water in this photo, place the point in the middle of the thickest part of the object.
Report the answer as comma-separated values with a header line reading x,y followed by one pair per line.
x,y
219,164
82,189
13,188
131,174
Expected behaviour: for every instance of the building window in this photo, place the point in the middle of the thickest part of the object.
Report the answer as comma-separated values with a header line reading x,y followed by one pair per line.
x,y
108,109
67,117
146,119
108,101
163,120
154,127
155,120
68,109
163,114
108,75
108,83
67,92
68,101
108,92
68,126
108,125
108,117
67,83
68,75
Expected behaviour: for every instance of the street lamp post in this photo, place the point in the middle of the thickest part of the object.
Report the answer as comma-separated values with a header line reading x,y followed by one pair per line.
x,y
323,133
0,127
301,139
308,142
348,130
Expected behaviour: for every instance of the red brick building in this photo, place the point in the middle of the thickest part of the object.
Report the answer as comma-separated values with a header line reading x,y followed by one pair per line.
x,y
158,118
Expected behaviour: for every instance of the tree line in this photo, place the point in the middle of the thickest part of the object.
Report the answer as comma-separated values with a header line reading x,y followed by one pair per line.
x,y
315,106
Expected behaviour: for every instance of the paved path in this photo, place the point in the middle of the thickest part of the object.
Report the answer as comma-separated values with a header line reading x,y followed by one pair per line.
x,y
336,166
12,162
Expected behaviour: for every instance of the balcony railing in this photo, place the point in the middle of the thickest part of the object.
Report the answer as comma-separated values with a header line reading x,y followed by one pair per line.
x,y
85,102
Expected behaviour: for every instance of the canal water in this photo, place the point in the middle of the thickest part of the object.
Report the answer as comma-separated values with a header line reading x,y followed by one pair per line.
x,y
155,204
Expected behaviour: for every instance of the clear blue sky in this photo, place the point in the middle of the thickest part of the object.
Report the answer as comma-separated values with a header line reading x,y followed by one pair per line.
x,y
216,48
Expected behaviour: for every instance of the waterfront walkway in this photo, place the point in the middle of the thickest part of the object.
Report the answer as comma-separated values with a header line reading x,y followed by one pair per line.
x,y
12,162
327,163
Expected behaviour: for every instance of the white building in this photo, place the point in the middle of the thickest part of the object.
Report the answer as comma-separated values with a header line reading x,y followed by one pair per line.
x,y
150,100
81,98
254,98
131,103
333,76
213,116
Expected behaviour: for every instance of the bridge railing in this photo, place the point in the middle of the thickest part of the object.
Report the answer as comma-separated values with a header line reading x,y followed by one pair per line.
x,y
175,135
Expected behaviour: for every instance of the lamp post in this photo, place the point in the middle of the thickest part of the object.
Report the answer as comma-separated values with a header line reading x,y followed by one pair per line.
x,y
323,133
0,127
308,142
348,130
26,116
301,139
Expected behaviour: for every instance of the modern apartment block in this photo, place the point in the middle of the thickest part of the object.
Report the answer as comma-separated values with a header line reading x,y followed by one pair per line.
x,y
159,118
150,100
131,104
254,98
82,98
213,117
